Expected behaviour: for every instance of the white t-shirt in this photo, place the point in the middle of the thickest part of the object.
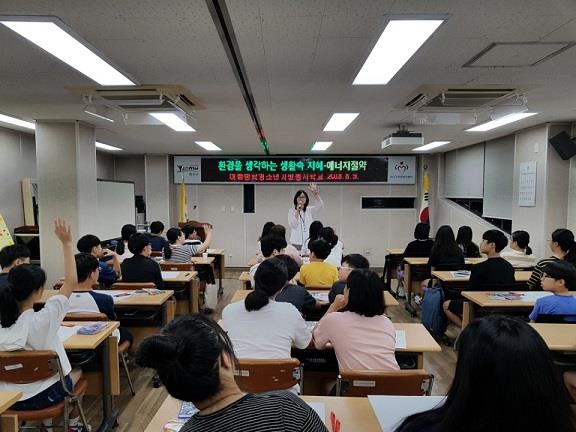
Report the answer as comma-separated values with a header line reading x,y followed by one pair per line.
x,y
126,254
517,258
37,331
267,333
335,257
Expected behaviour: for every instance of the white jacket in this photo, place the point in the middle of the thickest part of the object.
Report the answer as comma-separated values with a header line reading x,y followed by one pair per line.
x,y
299,226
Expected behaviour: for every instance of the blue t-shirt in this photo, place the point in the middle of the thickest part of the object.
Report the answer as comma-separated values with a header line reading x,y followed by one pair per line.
x,y
554,304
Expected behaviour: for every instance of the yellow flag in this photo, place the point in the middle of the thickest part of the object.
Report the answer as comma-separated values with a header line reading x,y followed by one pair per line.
x,y
183,207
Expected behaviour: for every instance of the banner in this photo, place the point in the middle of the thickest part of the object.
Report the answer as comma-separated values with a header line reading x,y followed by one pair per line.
x,y
424,210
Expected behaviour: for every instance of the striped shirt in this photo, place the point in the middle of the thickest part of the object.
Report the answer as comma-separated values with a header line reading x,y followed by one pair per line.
x,y
263,412
536,276
182,253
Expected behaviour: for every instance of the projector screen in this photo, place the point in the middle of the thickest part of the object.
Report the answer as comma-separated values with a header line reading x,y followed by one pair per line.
x,y
116,208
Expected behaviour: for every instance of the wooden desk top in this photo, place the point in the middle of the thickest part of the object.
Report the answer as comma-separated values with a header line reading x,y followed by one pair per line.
x,y
424,261
482,299
446,276
353,413
202,261
240,295
418,339
88,342
216,251
244,277
183,277
7,399
558,337
133,300
394,251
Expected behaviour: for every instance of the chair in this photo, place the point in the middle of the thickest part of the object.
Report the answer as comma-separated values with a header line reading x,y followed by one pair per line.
x,y
262,375
156,253
556,318
176,266
24,367
401,383
123,347
133,285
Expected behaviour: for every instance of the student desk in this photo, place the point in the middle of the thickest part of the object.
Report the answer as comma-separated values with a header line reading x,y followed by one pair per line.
x,y
245,279
520,276
8,422
187,279
110,378
354,413
219,256
558,337
392,260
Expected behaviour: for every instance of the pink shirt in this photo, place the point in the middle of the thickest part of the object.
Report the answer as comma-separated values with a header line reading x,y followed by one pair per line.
x,y
360,342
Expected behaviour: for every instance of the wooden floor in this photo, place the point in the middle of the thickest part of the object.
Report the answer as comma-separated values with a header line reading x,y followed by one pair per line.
x,y
137,411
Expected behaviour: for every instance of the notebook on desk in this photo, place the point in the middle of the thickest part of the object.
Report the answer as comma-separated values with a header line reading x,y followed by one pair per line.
x,y
391,410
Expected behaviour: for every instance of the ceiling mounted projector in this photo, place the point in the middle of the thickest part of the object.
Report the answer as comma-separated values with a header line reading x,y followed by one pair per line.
x,y
403,138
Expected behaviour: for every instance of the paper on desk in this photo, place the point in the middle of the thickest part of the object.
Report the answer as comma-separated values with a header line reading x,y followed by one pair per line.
x,y
401,339
532,296
320,409
321,296
117,295
170,274
460,273
65,332
391,410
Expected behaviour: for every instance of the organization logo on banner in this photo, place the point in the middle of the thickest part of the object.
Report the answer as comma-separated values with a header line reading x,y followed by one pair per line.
x,y
402,169
187,169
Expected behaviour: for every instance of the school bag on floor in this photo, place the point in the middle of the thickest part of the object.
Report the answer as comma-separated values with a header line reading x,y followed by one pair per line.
x,y
432,315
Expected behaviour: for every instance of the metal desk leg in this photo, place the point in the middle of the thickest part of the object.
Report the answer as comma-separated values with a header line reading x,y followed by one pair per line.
x,y
109,414
408,290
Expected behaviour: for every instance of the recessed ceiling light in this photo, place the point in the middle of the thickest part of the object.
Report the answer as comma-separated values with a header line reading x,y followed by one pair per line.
x,y
398,42
431,145
208,145
173,121
108,147
17,122
52,36
339,121
321,145
510,118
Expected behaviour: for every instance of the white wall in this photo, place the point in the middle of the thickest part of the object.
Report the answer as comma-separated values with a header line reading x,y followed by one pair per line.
x,y
131,168
571,213
104,165
17,161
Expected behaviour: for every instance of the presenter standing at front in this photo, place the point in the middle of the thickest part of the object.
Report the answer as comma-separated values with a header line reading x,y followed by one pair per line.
x,y
301,216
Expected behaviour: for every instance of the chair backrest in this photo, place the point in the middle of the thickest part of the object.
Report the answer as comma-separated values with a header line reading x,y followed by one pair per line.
x,y
156,253
318,288
401,383
85,316
176,266
23,367
259,375
133,285
556,318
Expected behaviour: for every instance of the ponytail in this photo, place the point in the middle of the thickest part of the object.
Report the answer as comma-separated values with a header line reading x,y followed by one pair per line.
x,y
565,239
172,235
571,255
127,231
256,300
528,250
522,238
271,276
9,310
23,280
120,247
167,251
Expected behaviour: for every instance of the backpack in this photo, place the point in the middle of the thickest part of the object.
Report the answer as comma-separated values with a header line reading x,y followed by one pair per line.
x,y
432,315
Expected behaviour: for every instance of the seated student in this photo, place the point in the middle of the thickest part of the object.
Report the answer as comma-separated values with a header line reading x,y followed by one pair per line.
x,y
122,247
464,240
258,256
176,250
335,257
362,336
290,250
493,274
519,254
261,327
156,240
422,245
296,294
84,299
559,278
313,234
317,272
349,262
563,247
504,367
10,257
141,268
195,360
270,246
90,244
24,329
445,251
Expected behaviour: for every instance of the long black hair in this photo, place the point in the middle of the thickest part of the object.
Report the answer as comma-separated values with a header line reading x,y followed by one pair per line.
x,y
522,239
565,239
314,231
296,199
327,233
445,243
271,276
126,233
23,281
172,235
464,240
505,381
186,355
266,229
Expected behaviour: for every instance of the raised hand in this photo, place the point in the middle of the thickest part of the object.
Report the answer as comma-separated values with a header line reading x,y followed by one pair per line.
x,y
62,231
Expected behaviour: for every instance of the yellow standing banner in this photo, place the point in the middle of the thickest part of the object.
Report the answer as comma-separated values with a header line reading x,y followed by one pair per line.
x,y
183,206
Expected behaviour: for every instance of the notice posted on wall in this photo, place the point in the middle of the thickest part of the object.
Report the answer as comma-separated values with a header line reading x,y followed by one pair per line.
x,y
527,184
5,237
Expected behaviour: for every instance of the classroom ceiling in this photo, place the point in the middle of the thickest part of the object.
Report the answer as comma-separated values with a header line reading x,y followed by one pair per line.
x,y
300,57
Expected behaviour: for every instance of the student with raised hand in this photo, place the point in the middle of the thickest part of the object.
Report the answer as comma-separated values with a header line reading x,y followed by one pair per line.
x,y
563,247
24,329
141,268
495,274
355,325
559,278
317,272
349,262
505,381
195,360
122,249
270,245
91,244
10,257
177,250
464,240
301,216
156,240
335,257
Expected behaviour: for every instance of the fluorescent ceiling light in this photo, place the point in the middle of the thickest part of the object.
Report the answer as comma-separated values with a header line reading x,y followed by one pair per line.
x,y
399,41
173,121
53,38
100,112
17,122
339,121
510,118
108,147
208,145
431,145
321,145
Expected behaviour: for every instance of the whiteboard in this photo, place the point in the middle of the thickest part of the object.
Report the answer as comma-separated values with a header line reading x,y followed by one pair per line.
x,y
116,207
